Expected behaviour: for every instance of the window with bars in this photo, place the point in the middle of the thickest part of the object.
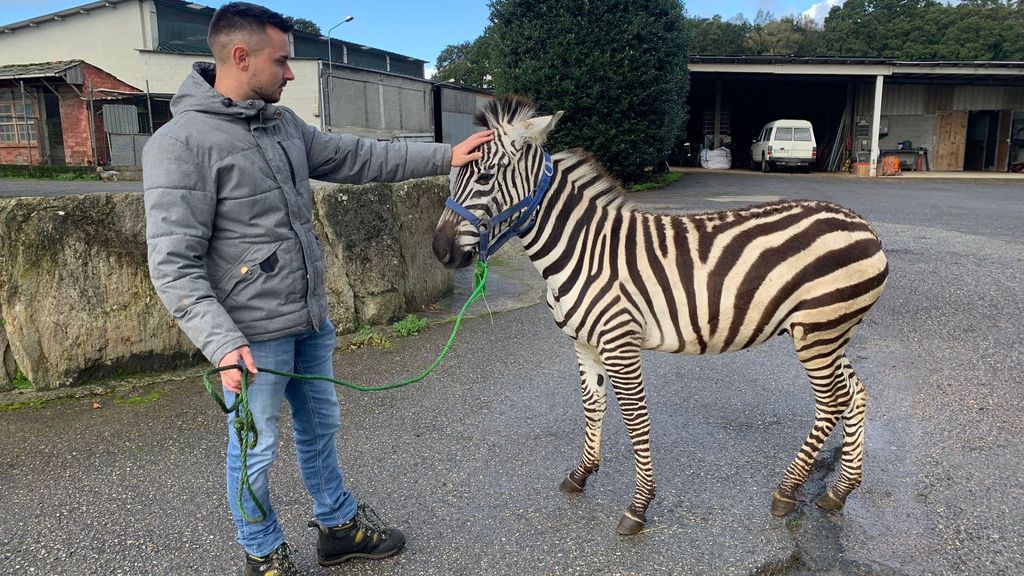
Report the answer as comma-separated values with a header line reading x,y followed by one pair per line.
x,y
17,118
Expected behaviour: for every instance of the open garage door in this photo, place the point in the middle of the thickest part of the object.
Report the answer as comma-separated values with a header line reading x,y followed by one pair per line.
x,y
748,102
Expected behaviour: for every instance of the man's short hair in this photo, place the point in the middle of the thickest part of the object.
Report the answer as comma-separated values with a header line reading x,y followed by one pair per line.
x,y
241,20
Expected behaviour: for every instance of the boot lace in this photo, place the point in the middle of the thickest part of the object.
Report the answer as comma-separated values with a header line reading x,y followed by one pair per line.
x,y
368,519
281,560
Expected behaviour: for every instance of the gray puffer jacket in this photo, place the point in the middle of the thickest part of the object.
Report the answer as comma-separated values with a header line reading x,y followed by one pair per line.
x,y
229,210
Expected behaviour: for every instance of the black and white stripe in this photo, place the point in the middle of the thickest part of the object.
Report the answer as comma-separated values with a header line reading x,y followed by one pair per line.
x,y
621,280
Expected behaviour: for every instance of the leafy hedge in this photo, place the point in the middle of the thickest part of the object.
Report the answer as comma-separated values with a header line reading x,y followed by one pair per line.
x,y
616,67
51,172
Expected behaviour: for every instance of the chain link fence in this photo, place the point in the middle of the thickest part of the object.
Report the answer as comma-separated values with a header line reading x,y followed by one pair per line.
x,y
127,123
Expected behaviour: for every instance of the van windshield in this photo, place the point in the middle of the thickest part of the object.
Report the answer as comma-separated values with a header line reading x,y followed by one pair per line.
x,y
785,134
802,134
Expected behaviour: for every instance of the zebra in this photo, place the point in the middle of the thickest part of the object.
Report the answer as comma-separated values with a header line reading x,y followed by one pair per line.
x,y
620,280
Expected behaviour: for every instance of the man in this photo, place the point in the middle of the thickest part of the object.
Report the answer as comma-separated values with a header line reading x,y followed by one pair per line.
x,y
233,256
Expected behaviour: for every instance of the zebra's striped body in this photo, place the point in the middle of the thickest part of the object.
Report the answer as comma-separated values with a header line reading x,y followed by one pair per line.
x,y
621,280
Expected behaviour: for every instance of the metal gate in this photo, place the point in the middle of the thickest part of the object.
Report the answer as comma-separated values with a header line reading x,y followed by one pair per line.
x,y
125,139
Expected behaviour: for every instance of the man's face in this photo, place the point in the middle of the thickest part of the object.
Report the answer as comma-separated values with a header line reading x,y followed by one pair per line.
x,y
268,68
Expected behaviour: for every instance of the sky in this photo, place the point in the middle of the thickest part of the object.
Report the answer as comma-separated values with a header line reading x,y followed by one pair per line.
x,y
419,28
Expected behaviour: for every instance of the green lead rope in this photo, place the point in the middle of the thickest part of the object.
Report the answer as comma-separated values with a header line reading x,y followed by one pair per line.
x,y
245,427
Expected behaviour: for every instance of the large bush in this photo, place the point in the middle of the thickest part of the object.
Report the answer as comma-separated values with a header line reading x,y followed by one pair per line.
x,y
616,67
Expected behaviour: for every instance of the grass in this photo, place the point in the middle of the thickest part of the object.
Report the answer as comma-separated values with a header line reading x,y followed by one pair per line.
x,y
153,396
367,337
20,405
500,261
411,325
656,181
21,382
48,172
70,177
794,521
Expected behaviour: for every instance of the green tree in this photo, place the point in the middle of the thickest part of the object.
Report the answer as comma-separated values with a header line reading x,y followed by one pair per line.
x,y
616,67
716,37
882,28
304,25
467,63
984,30
782,37
926,29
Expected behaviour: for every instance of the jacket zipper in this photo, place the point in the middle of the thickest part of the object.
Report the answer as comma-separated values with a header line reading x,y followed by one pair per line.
x,y
291,168
313,276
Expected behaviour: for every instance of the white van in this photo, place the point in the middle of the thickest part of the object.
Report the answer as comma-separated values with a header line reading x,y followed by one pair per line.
x,y
784,143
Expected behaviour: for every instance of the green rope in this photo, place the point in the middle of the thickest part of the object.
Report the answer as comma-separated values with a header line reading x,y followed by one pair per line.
x,y
245,427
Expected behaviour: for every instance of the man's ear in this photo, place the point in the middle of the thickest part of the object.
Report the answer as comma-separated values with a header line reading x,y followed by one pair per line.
x,y
535,130
240,57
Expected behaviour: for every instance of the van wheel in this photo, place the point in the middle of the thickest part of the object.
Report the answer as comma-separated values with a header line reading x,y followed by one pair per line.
x,y
765,166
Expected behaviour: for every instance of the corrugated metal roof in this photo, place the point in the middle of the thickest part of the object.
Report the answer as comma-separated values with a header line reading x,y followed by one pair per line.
x,y
840,60
960,63
59,15
784,60
40,70
85,8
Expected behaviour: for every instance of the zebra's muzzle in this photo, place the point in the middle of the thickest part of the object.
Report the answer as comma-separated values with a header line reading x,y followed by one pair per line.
x,y
448,253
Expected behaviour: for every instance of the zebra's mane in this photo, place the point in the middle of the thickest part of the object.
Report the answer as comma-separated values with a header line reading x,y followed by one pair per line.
x,y
506,110
601,186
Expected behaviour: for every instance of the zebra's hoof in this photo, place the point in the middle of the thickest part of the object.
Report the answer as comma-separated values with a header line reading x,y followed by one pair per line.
x,y
781,504
829,501
630,524
570,487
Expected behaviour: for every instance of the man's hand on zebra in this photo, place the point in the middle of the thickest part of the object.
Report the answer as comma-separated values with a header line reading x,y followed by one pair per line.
x,y
463,152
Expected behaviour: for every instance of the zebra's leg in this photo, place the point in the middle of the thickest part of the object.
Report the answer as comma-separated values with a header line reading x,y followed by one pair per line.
x,y
593,385
853,444
624,370
831,397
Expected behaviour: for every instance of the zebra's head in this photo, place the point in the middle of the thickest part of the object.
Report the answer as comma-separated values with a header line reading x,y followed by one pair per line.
x,y
511,166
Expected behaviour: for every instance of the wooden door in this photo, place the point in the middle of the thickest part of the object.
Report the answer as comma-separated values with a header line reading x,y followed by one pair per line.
x,y
950,141
1003,141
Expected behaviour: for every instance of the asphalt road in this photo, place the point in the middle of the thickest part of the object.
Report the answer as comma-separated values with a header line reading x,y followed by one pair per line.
x,y
468,462
14,187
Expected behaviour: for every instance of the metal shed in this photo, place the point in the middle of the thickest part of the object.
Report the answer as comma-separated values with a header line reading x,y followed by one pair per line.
x,y
947,116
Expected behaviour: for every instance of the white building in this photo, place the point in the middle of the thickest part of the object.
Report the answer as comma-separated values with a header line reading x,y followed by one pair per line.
x,y
153,43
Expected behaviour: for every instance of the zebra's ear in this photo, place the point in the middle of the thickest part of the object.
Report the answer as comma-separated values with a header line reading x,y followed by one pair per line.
x,y
535,130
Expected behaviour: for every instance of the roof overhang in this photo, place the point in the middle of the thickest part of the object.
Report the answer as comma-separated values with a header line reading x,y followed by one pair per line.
x,y
801,69
1004,69
786,65
70,71
83,9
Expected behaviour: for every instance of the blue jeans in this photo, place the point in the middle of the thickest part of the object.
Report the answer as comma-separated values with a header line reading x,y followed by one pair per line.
x,y
316,419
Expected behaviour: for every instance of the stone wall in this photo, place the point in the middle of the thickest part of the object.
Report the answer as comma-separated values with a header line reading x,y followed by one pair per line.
x,y
76,303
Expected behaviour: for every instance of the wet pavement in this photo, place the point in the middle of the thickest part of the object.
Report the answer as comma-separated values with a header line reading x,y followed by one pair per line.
x,y
468,461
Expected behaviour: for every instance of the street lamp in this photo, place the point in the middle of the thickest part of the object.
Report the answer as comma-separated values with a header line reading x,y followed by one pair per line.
x,y
347,19
330,66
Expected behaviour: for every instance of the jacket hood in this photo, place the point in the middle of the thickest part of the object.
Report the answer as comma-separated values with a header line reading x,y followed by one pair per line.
x,y
197,94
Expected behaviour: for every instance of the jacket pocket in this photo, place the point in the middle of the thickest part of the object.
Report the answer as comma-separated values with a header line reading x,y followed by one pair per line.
x,y
252,264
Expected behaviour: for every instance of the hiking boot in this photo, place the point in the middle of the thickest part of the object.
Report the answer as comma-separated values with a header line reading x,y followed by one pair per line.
x,y
364,536
277,563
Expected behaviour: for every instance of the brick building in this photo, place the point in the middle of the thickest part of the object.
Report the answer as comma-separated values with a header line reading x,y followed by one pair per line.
x,y
53,113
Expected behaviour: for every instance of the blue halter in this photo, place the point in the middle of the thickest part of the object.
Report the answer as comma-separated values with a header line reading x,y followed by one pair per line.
x,y
521,226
